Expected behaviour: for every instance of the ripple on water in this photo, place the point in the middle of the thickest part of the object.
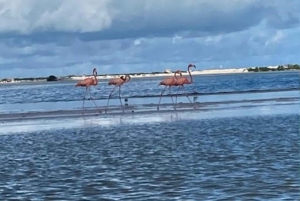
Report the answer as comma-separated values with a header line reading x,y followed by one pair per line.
x,y
230,158
65,91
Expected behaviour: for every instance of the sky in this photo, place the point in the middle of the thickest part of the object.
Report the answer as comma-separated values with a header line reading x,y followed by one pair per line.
x,y
71,37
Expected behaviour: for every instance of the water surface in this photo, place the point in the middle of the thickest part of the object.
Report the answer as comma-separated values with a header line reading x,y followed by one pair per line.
x,y
246,152
65,91
185,159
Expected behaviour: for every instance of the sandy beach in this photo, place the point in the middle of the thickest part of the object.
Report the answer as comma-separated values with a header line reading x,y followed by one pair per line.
x,y
148,75
137,75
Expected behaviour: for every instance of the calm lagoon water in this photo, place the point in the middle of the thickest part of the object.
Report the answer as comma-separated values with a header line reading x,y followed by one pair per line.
x,y
206,84
173,156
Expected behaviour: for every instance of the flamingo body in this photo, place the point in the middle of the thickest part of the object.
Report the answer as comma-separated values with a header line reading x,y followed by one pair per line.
x,y
118,82
87,83
168,82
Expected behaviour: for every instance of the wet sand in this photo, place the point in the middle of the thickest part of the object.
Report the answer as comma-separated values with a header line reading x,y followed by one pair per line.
x,y
149,101
70,119
204,106
150,109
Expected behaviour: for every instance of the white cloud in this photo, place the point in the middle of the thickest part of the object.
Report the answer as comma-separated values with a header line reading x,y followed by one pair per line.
x,y
26,16
176,39
137,41
213,39
73,36
276,38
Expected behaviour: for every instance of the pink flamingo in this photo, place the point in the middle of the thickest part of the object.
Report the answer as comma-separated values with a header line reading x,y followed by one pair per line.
x,y
87,83
118,82
168,82
181,81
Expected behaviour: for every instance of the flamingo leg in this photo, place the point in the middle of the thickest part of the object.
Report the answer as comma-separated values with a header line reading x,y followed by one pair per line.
x,y
186,94
188,97
92,99
110,97
172,97
120,98
161,97
177,94
86,89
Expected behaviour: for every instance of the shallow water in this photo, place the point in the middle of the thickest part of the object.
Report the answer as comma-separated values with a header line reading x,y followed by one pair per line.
x,y
206,88
245,150
251,157
59,92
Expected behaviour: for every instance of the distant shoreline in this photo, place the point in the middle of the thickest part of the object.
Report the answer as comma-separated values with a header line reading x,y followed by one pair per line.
x,y
145,75
162,74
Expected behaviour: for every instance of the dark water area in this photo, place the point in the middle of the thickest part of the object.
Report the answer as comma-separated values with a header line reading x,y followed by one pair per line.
x,y
147,87
245,158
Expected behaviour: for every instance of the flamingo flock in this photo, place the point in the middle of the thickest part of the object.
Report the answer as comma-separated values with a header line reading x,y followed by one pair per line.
x,y
176,81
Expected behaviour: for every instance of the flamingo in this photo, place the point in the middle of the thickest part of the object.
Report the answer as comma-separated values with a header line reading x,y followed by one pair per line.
x,y
118,82
181,81
87,83
168,82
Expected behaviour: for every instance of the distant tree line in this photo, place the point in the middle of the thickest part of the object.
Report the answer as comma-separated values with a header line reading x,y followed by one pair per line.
x,y
30,78
293,66
49,79
279,68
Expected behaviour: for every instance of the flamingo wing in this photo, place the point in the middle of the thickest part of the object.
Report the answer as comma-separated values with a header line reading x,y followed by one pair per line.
x,y
85,82
114,81
167,81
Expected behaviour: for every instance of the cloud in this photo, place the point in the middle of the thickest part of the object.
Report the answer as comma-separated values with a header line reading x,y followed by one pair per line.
x,y
275,38
112,19
28,16
59,37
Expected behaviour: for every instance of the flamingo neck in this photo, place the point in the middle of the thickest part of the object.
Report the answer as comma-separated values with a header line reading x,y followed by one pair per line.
x,y
127,80
95,76
175,74
191,77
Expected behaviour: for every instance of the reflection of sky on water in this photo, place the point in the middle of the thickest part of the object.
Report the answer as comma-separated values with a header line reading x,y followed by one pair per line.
x,y
116,120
